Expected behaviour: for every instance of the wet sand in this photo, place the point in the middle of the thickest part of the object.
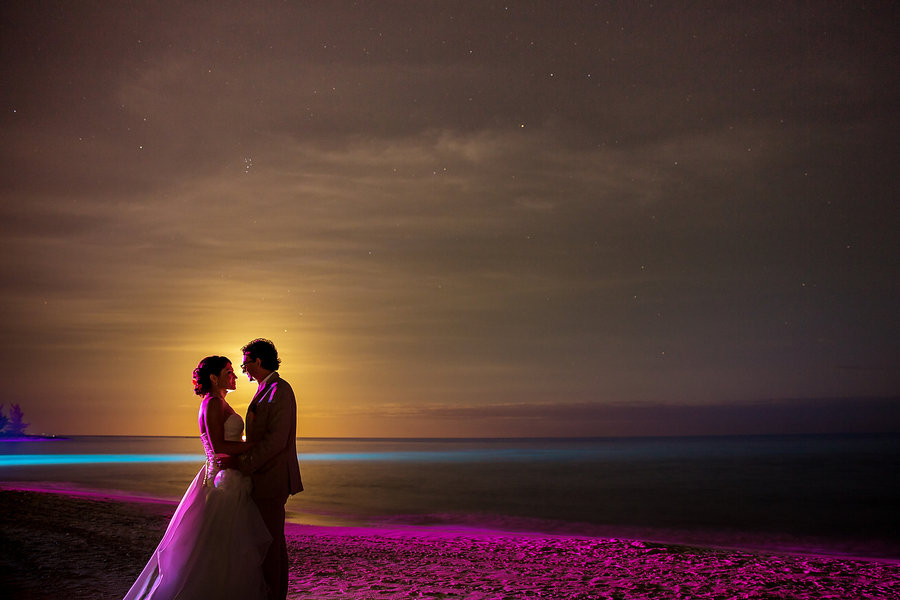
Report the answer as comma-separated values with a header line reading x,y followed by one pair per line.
x,y
65,545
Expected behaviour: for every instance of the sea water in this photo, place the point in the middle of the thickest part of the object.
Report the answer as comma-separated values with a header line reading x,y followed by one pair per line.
x,y
830,493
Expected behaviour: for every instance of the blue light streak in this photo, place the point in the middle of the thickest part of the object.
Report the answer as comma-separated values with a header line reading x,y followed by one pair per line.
x,y
506,454
28,460
25,460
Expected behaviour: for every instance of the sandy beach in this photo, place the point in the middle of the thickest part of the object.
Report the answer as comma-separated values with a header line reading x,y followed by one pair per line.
x,y
56,545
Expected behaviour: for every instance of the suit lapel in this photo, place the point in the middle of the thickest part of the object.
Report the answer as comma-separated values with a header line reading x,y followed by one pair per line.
x,y
259,392
254,404
251,410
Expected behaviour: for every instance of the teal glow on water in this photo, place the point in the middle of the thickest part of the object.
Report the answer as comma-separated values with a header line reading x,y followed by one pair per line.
x,y
27,460
24,460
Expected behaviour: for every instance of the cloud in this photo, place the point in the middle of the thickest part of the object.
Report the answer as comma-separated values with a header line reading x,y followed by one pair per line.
x,y
505,203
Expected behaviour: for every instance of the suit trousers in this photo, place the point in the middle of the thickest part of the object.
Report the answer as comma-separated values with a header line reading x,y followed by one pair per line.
x,y
275,565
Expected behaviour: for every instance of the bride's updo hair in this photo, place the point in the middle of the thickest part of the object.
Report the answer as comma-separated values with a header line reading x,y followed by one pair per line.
x,y
211,365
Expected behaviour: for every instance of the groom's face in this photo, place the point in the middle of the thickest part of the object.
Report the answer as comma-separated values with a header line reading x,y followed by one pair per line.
x,y
251,367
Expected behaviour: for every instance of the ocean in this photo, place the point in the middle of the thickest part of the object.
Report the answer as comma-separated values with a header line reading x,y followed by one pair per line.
x,y
836,494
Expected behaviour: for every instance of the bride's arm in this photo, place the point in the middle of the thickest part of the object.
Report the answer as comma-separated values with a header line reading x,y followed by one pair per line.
x,y
215,430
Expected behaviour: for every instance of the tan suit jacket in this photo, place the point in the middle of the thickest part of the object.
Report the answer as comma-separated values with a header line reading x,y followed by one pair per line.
x,y
272,424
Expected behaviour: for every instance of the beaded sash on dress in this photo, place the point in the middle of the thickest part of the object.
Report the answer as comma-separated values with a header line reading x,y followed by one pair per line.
x,y
212,465
234,427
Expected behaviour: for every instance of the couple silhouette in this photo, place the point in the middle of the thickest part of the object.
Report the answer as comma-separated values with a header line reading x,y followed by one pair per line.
x,y
226,538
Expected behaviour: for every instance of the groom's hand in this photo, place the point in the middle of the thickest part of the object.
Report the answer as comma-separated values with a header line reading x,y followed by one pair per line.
x,y
227,461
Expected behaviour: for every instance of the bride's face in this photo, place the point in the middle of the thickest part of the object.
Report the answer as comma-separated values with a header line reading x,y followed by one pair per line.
x,y
227,379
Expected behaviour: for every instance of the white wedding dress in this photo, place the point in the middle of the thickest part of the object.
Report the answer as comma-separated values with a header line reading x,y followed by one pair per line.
x,y
215,543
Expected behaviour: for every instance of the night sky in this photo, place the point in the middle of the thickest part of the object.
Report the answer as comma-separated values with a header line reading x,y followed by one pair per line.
x,y
454,218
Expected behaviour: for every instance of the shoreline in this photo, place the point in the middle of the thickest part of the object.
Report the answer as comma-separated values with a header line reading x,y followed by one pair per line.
x,y
78,545
300,521
744,541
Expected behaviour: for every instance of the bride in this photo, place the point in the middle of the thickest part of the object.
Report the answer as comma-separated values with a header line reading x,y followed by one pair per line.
x,y
216,541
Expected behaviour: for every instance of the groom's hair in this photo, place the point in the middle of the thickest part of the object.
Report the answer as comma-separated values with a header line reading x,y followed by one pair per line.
x,y
265,351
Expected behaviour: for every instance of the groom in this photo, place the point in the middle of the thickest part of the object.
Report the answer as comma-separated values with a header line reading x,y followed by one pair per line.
x,y
272,462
